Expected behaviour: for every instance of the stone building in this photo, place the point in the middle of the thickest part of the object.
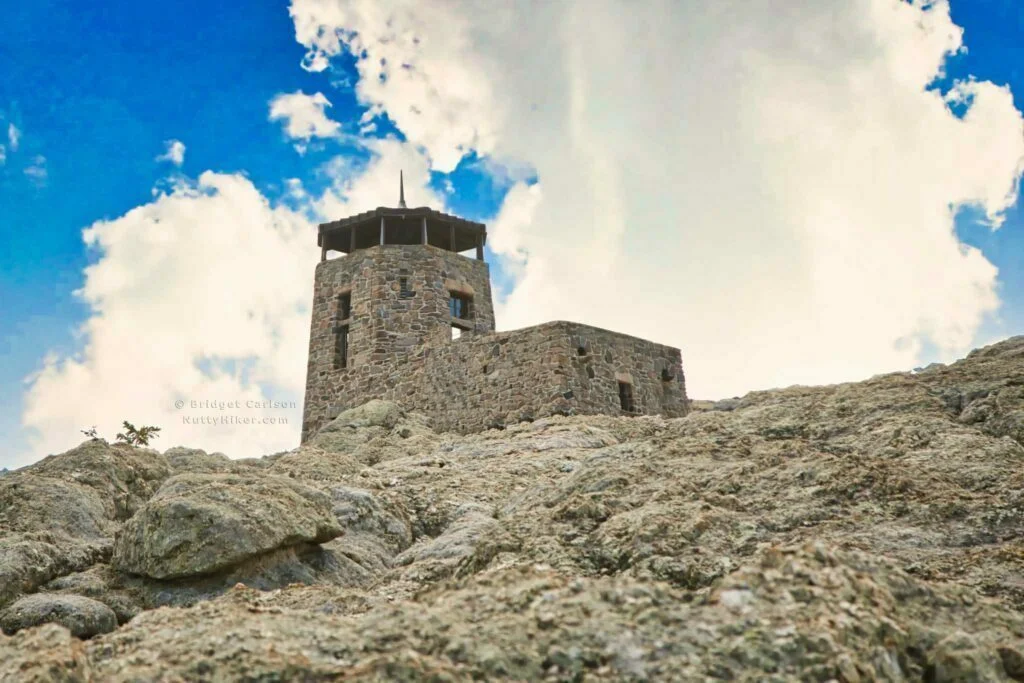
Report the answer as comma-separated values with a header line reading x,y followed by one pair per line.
x,y
405,314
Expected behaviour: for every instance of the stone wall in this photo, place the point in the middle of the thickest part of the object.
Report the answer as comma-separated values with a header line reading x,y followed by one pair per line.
x,y
386,324
489,380
559,368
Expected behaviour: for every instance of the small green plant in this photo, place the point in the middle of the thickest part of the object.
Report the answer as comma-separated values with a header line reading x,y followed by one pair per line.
x,y
137,437
90,432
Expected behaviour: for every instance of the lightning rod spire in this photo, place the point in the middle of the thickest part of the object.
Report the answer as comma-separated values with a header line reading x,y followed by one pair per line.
x,y
401,190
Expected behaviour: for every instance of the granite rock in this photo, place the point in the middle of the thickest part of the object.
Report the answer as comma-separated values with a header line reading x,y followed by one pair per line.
x,y
202,523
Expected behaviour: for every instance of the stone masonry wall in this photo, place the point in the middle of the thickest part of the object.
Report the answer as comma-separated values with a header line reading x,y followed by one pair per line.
x,y
490,380
385,326
558,368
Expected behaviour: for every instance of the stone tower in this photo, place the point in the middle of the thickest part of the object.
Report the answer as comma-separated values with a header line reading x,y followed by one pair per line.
x,y
410,278
403,312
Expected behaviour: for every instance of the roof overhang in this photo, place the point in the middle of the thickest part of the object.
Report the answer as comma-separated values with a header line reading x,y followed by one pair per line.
x,y
459,234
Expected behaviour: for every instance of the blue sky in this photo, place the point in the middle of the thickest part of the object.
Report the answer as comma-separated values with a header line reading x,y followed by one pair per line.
x,y
96,90
994,33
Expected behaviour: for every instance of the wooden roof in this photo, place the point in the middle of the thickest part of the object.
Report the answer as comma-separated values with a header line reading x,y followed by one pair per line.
x,y
467,234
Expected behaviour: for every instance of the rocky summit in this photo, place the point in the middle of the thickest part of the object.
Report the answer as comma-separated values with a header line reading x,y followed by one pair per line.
x,y
871,531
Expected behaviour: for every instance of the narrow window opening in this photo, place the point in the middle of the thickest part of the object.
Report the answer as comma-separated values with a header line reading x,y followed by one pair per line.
x,y
456,332
666,376
590,372
626,397
341,347
344,306
486,368
403,288
460,306
581,351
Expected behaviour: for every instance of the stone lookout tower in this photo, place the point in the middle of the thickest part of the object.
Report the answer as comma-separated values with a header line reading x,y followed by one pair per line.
x,y
405,314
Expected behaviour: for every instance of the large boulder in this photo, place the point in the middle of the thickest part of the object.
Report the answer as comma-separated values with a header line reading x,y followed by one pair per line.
x,y
375,431
84,617
202,523
29,560
30,503
194,460
81,493
123,476
60,514
314,465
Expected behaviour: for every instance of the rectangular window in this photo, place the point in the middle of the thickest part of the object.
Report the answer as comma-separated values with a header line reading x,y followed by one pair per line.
x,y
626,397
403,288
456,332
344,306
460,306
341,347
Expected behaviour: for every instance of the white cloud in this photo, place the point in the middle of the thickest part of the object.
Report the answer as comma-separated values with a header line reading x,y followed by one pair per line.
x,y
358,189
304,117
36,171
175,152
416,69
186,291
13,136
768,186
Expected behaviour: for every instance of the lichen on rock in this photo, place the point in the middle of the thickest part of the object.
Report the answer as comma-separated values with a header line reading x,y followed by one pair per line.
x,y
198,524
864,531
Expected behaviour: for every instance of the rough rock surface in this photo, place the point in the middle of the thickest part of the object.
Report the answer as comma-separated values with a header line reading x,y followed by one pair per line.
x,y
58,516
201,523
858,532
82,616
44,655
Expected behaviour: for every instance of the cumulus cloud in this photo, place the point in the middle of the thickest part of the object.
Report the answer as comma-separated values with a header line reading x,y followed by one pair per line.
x,y
202,295
13,136
447,105
770,187
304,117
174,152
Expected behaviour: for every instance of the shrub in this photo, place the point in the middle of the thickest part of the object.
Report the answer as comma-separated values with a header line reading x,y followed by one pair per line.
x,y
139,436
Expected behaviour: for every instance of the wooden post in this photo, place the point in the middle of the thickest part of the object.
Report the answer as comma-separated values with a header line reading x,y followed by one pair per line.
x,y
352,239
424,230
382,230
323,251
480,247
451,235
